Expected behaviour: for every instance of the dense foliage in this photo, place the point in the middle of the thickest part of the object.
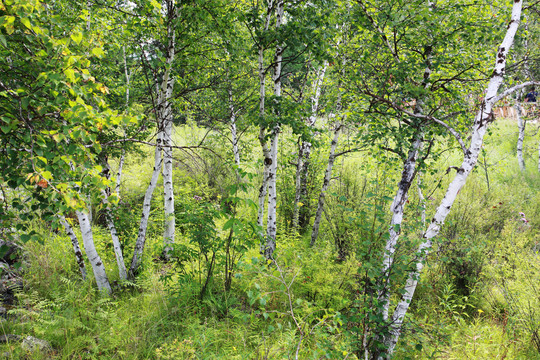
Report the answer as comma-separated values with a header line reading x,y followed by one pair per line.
x,y
334,179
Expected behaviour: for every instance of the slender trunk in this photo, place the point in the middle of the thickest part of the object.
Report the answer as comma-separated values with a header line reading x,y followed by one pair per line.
x,y
326,182
264,186
271,222
234,134
119,172
90,249
114,236
168,188
521,126
481,122
262,134
141,237
397,209
304,150
76,246
167,121
422,200
127,74
168,193
400,199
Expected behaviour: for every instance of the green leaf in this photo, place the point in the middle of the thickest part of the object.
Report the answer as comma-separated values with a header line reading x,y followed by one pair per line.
x,y
3,40
77,37
229,224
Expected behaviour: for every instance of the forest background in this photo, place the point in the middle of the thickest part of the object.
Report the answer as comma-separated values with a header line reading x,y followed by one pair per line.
x,y
269,179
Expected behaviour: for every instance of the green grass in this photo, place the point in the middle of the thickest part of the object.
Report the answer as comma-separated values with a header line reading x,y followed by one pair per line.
x,y
476,299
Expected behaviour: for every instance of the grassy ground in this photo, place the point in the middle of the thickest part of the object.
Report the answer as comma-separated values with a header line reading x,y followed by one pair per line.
x,y
477,298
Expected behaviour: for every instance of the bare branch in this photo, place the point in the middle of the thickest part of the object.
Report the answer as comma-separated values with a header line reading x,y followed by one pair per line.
x,y
514,89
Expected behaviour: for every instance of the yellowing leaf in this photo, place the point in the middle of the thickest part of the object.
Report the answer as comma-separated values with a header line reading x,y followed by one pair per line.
x,y
98,52
104,89
77,37
8,24
26,23
70,74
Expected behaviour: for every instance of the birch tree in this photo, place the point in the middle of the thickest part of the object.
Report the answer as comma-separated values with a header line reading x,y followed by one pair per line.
x,y
471,153
304,149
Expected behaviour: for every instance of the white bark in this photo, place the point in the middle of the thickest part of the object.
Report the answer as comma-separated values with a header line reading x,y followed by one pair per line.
x,y
234,133
422,200
521,137
90,249
398,204
326,182
168,193
304,150
271,222
141,237
167,120
119,173
164,125
397,208
264,186
127,74
481,122
76,246
114,236
262,135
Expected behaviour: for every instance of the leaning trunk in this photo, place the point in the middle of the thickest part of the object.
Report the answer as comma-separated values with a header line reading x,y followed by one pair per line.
x,y
481,122
326,182
76,246
304,151
141,237
114,236
88,241
397,208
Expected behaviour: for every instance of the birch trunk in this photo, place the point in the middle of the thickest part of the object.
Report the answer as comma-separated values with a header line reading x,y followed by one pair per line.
x,y
397,208
114,236
521,137
234,133
76,246
304,149
162,112
326,182
400,199
262,134
271,222
481,122
141,237
167,120
119,172
88,241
